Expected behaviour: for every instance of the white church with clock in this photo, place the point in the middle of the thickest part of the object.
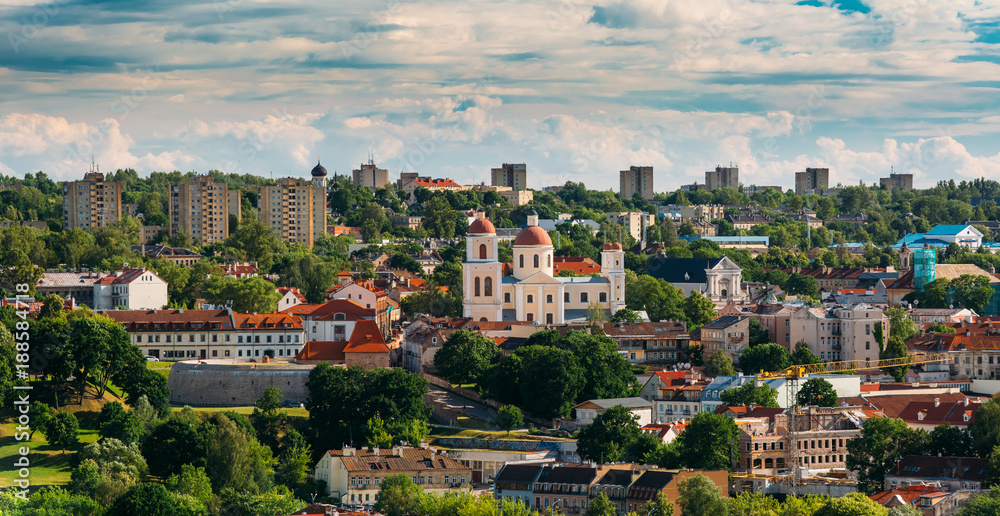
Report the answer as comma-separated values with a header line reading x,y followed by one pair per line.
x,y
533,293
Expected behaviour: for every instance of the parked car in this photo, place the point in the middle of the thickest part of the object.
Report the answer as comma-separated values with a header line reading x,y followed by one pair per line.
x,y
152,359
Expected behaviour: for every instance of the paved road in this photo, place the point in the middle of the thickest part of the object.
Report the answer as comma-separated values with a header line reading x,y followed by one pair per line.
x,y
455,402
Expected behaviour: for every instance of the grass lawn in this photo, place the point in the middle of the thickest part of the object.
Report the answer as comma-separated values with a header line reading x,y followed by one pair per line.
x,y
161,367
49,465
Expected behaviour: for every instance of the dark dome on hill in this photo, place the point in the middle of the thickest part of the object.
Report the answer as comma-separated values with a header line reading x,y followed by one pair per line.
x,y
318,170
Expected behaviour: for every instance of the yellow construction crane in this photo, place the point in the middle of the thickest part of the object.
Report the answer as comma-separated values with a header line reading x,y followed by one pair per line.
x,y
793,373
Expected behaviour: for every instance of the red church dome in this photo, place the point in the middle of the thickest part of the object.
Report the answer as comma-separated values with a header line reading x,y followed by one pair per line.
x,y
533,236
482,226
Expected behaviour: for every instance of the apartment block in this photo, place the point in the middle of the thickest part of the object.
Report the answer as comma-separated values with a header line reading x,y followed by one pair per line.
x,y
634,221
840,333
92,202
201,209
901,181
295,209
637,180
723,177
371,176
812,179
514,175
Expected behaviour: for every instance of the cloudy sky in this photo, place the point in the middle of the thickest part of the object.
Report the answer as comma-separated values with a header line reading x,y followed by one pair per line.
x,y
577,89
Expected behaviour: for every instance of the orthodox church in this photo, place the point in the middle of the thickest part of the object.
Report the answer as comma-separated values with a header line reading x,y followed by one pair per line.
x,y
532,292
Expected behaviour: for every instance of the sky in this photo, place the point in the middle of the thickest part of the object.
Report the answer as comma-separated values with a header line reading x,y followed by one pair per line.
x,y
576,89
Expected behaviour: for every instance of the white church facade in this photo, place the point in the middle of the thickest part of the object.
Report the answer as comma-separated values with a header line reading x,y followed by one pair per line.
x,y
532,292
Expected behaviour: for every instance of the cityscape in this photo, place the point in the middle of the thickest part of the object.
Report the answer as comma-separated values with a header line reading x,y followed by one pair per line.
x,y
300,259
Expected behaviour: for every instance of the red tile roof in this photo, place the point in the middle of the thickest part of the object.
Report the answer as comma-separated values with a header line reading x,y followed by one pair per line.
x,y
328,311
267,321
437,183
578,264
328,350
366,338
123,277
285,290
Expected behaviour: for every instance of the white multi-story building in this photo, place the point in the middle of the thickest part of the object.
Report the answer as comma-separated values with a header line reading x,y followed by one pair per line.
x,y
130,289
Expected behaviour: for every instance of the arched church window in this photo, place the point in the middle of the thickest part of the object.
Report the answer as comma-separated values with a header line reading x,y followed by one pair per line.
x,y
536,261
477,287
520,259
550,260
482,251
488,286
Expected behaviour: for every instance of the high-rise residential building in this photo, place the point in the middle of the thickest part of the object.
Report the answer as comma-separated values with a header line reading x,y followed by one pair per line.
x,y
295,208
201,209
901,181
371,176
637,180
811,180
92,202
723,177
514,175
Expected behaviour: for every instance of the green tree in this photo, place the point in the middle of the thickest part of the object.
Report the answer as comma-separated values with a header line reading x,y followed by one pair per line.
x,y
601,506
245,295
882,441
550,380
295,458
439,218
986,504
414,431
257,242
267,418
174,442
895,349
904,510
802,355
659,505
509,418
764,357
62,430
54,501
17,269
985,428
376,435
606,372
972,292
718,364
609,436
852,504
625,315
950,441
900,324
800,284
709,442
753,504
235,459
750,393
147,499
699,310
115,422
465,356
817,392
107,469
8,368
193,482
398,495
758,335
312,276
699,496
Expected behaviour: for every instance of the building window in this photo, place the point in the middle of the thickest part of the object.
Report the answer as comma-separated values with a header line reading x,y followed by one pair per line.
x,y
548,298
530,317
566,297
476,288
602,297
520,260
535,261
530,299
506,297
482,251
584,297
488,286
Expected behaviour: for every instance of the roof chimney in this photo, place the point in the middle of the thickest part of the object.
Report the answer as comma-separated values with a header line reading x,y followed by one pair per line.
x,y
937,402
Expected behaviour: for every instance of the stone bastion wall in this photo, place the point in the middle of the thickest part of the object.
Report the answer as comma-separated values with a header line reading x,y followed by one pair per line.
x,y
220,383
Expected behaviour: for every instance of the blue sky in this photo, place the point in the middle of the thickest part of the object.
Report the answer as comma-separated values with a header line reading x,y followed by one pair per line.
x,y
577,89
